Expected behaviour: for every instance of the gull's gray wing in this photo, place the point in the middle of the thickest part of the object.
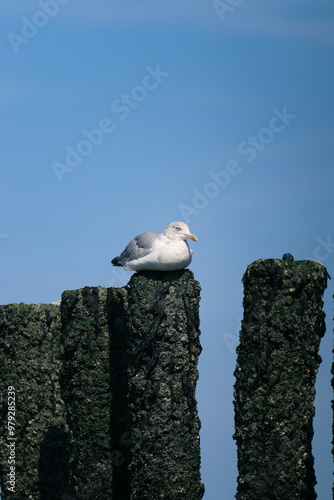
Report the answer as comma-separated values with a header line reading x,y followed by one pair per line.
x,y
139,247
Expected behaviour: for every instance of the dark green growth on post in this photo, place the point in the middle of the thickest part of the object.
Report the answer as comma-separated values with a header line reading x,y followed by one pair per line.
x,y
104,388
29,385
154,421
275,376
85,388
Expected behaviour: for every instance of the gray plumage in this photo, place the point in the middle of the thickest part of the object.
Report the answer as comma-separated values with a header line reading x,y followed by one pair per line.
x,y
167,251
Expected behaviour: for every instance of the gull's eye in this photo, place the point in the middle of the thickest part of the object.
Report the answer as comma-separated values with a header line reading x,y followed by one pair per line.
x,y
177,228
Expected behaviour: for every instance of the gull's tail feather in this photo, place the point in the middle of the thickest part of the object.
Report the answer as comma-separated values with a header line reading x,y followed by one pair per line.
x,y
116,262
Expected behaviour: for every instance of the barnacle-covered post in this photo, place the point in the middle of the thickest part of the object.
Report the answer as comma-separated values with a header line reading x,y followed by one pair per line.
x,y
154,353
104,392
33,439
85,388
275,376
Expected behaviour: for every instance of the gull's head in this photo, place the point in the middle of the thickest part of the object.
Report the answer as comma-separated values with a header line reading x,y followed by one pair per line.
x,y
179,231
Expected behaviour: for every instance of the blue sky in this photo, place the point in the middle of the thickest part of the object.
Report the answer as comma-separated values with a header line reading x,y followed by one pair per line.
x,y
120,118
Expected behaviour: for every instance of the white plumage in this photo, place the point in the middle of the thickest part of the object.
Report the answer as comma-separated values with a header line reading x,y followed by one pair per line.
x,y
167,251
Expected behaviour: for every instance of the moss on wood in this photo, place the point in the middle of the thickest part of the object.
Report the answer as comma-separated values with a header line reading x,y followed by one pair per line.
x,y
275,375
155,325
105,392
29,360
85,386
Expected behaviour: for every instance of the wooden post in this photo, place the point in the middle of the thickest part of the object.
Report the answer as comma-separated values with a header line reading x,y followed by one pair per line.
x,y
33,421
275,376
104,392
155,328
85,386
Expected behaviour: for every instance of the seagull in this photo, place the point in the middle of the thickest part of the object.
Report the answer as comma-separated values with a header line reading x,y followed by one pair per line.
x,y
167,251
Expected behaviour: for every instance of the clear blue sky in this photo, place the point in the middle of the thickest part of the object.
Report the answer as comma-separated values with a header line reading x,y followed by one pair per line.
x,y
120,117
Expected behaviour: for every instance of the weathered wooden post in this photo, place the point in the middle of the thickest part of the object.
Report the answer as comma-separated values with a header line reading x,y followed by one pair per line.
x,y
104,393
154,422
85,387
275,375
33,436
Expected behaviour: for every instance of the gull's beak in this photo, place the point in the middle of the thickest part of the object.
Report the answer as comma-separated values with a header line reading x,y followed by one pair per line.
x,y
192,237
